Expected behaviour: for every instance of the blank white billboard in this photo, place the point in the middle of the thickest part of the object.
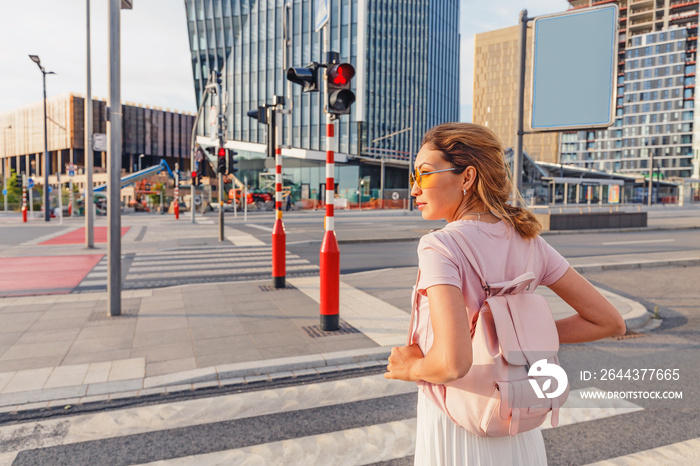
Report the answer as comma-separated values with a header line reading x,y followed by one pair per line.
x,y
574,70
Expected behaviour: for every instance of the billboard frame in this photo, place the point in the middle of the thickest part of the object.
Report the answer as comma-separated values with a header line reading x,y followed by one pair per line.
x,y
613,74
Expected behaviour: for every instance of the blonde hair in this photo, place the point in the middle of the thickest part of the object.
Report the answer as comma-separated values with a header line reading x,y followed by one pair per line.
x,y
467,144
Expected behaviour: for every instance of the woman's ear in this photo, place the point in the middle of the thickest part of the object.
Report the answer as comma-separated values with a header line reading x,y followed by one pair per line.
x,y
469,175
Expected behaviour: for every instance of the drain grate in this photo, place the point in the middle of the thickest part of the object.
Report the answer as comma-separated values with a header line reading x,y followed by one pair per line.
x,y
272,288
629,334
314,331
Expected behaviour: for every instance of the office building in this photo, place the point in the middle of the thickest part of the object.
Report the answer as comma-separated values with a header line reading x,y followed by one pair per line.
x,y
496,61
406,57
149,135
654,111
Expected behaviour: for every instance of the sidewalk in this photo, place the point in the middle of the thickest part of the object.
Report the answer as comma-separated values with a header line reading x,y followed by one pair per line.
x,y
65,350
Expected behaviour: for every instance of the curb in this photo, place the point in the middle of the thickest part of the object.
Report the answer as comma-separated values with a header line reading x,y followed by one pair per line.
x,y
616,230
228,375
636,265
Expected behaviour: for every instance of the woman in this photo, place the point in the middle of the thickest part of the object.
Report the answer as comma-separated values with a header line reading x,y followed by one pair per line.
x,y
461,177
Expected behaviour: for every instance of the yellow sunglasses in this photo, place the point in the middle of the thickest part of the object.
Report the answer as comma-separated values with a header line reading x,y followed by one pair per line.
x,y
418,177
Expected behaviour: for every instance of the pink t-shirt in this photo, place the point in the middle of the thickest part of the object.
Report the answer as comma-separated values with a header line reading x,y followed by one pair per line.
x,y
502,255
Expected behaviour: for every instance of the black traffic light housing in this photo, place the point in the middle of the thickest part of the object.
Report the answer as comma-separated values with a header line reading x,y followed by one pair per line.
x,y
232,169
260,114
218,77
340,97
221,163
306,76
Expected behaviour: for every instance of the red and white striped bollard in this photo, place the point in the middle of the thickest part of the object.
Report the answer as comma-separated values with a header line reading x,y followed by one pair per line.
x,y
330,254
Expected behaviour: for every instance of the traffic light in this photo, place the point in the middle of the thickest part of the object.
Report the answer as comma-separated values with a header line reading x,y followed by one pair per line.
x,y
260,114
340,97
307,77
195,181
232,162
221,164
217,74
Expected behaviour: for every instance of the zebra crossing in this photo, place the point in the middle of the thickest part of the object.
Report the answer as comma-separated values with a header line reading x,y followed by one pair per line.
x,y
364,419
194,264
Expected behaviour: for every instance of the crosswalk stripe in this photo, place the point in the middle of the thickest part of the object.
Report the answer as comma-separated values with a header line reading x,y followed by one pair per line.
x,y
687,452
149,269
175,266
363,445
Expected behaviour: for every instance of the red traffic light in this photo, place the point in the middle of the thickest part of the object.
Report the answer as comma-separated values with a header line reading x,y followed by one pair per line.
x,y
222,152
194,175
340,75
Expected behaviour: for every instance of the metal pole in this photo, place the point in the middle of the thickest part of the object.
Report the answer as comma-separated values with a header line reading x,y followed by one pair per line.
x,y
60,195
651,179
518,153
193,162
89,155
24,198
72,199
47,202
381,187
5,169
31,202
288,24
114,136
176,207
245,198
410,160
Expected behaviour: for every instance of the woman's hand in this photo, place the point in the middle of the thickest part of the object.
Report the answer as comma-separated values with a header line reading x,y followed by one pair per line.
x,y
402,361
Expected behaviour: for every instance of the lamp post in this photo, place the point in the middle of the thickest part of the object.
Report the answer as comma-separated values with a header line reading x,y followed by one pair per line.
x,y
47,165
5,169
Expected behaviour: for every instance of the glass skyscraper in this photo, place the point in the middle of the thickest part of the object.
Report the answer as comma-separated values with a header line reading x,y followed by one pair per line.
x,y
406,57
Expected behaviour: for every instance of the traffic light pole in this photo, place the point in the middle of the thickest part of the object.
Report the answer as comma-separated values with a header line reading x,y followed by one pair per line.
x,y
330,253
279,238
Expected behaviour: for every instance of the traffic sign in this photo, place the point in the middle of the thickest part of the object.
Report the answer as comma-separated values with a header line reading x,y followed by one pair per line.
x,y
4,192
50,189
30,183
71,173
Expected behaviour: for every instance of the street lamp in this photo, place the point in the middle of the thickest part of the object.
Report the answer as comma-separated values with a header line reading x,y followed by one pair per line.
x,y
47,167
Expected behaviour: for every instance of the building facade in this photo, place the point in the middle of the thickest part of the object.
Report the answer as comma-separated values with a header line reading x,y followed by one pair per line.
x,y
148,135
495,104
654,127
654,116
406,57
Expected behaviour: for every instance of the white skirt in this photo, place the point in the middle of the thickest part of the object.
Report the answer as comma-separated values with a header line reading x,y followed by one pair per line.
x,y
441,442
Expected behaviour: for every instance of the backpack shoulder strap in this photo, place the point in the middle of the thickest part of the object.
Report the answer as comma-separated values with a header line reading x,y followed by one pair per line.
x,y
475,265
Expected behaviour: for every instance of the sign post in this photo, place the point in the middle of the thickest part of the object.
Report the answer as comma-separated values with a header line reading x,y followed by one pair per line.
x,y
571,50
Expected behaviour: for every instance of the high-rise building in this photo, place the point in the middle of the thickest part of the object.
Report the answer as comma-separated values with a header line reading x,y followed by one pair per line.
x,y
654,117
406,57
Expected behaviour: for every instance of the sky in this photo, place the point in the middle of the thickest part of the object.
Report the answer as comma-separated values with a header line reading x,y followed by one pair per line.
x,y
155,57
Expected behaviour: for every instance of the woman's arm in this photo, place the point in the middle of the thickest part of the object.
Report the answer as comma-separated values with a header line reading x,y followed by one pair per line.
x,y
596,317
450,357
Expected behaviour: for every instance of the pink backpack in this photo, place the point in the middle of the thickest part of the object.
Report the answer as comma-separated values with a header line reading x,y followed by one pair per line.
x,y
509,388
